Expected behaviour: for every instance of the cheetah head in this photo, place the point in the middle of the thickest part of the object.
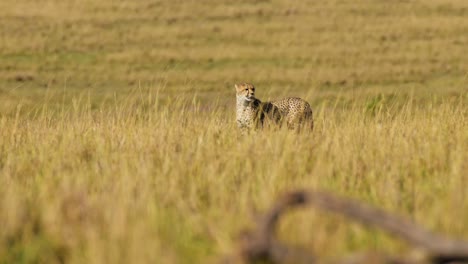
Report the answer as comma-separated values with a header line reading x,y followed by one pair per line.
x,y
245,91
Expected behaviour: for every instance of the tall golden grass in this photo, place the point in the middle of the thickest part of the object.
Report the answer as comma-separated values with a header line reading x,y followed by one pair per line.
x,y
118,141
142,182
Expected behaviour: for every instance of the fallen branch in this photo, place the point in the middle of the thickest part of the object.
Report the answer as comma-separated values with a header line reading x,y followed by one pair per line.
x,y
260,244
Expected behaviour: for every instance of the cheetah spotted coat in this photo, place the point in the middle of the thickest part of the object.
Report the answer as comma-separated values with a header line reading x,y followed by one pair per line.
x,y
252,113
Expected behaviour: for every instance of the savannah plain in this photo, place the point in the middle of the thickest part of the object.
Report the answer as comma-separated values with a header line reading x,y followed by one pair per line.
x,y
118,141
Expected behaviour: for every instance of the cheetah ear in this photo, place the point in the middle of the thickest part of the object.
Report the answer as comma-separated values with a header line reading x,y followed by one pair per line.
x,y
237,87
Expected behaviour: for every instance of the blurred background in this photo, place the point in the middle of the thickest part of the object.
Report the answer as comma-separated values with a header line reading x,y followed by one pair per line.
x,y
52,50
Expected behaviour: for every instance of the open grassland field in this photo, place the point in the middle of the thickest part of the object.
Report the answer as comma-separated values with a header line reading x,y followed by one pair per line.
x,y
118,141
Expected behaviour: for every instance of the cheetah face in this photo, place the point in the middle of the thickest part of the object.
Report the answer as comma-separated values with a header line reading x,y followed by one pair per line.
x,y
245,91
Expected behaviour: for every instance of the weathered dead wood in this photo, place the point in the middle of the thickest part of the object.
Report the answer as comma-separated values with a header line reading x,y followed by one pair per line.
x,y
260,244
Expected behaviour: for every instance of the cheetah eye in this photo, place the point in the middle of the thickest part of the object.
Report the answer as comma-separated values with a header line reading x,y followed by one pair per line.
x,y
246,89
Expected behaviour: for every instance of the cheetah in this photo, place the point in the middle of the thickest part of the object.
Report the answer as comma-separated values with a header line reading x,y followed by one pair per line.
x,y
252,113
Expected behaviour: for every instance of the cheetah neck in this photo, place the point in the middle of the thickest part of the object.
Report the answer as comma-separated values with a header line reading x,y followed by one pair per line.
x,y
246,111
243,102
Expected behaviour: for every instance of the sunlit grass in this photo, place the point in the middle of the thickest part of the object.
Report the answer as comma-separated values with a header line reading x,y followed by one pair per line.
x,y
174,184
118,141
